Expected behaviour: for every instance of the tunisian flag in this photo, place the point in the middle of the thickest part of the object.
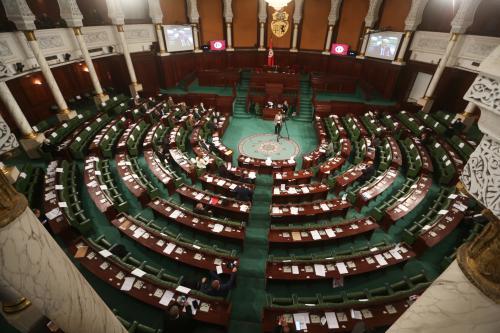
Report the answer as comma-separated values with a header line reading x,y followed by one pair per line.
x,y
270,55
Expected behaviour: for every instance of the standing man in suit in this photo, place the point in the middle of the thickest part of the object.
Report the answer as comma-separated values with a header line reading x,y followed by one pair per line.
x,y
278,119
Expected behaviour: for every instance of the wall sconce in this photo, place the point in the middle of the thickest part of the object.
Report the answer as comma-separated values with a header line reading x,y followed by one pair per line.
x,y
67,57
37,82
19,67
85,68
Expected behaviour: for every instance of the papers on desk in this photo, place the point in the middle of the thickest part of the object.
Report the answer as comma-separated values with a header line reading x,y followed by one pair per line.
x,y
319,270
169,248
199,196
175,214
330,233
62,204
395,254
81,251
138,272
183,289
166,298
325,207
268,161
452,196
138,232
276,210
105,253
315,234
278,176
380,260
295,270
294,210
443,212
292,190
128,283
218,228
355,314
341,267
331,320
232,187
243,208
252,175
276,191
210,179
301,320
53,213
296,236
219,270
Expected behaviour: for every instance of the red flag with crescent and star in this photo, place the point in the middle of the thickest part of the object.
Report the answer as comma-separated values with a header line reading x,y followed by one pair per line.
x,y
270,55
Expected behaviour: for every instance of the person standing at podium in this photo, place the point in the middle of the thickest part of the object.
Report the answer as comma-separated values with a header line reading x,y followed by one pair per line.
x,y
278,118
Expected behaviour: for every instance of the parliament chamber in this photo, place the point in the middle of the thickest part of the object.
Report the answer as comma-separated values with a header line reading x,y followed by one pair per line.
x,y
209,166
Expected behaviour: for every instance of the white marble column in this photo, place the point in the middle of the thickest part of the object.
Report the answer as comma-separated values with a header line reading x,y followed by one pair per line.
x,y
196,38
228,17
64,112
99,97
12,173
134,86
35,266
370,19
468,117
402,50
156,14
229,30
297,17
161,41
30,140
262,25
295,34
366,35
333,16
17,310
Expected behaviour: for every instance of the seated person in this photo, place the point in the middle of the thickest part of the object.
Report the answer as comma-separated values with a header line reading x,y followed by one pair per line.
x,y
283,326
368,172
177,321
200,208
216,287
329,149
456,127
243,193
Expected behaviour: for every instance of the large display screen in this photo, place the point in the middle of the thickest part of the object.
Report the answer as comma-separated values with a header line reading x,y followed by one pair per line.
x,y
383,45
178,37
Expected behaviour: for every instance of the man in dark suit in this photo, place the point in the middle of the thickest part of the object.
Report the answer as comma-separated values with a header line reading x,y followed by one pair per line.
x,y
243,193
177,321
216,287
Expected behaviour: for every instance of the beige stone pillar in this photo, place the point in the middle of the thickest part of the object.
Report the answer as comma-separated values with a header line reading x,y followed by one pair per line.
x,y
134,87
328,43
262,46
64,112
229,33
161,41
30,140
35,266
196,38
402,50
295,35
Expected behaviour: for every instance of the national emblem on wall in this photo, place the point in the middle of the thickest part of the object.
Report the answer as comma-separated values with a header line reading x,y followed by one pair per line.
x,y
279,24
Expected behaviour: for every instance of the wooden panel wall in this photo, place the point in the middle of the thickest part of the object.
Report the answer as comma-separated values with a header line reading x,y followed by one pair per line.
x,y
174,11
94,12
393,14
438,14
211,20
314,24
351,22
486,22
286,41
245,23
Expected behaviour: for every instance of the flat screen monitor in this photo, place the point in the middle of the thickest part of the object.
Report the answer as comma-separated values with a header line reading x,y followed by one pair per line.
x,y
178,37
339,49
217,45
383,45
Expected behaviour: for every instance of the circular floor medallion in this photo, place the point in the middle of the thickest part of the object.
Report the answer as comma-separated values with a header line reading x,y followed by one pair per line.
x,y
265,145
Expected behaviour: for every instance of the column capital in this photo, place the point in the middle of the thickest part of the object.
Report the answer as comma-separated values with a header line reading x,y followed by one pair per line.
x,y
333,16
228,11
464,16
262,11
115,12
20,14
297,11
192,11
155,11
70,13
414,17
373,13
12,203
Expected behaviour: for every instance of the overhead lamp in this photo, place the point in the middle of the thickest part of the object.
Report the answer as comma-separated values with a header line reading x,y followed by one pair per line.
x,y
278,4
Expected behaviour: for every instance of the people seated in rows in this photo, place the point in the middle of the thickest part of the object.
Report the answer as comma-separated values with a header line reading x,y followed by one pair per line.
x,y
426,136
456,127
214,286
368,171
178,321
243,193
201,209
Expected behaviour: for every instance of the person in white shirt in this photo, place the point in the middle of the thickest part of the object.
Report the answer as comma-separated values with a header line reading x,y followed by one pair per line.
x,y
277,125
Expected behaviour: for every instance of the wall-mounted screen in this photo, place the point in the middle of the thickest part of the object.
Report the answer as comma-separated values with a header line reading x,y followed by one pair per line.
x,y
178,37
339,49
383,45
217,45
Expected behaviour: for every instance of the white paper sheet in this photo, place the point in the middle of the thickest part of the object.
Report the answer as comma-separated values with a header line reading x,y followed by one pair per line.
x,y
319,270
169,248
128,283
167,297
331,320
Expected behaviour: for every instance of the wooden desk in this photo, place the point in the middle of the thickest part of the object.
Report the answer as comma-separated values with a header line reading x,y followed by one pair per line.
x,y
308,211
97,190
94,147
222,185
345,265
240,174
182,161
292,177
58,223
349,177
220,205
330,166
284,194
260,165
158,169
130,179
335,121
206,224
396,157
187,253
121,147
223,151
286,235
425,157
313,158
374,189
151,291
431,235
407,203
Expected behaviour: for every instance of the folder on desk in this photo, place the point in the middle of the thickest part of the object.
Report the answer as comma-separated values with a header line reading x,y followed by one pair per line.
x,y
296,236
331,320
315,234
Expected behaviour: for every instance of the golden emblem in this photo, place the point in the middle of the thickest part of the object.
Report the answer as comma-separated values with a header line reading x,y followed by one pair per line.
x,y
279,24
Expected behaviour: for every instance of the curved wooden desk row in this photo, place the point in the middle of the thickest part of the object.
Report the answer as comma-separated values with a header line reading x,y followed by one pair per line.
x,y
130,178
292,177
172,137
336,122
183,162
206,224
362,130
221,206
224,186
374,189
430,235
313,158
159,170
349,176
223,151
340,319
126,135
68,139
284,194
97,190
262,166
452,155
320,233
152,135
172,248
54,213
425,157
141,287
114,125
396,157
309,211
407,203
239,173
334,268
320,131
331,165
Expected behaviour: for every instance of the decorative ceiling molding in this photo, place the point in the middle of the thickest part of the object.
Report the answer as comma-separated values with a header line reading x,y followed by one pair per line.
x,y
192,11
415,14
70,13
228,11
20,14
333,16
155,12
372,14
115,12
464,16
